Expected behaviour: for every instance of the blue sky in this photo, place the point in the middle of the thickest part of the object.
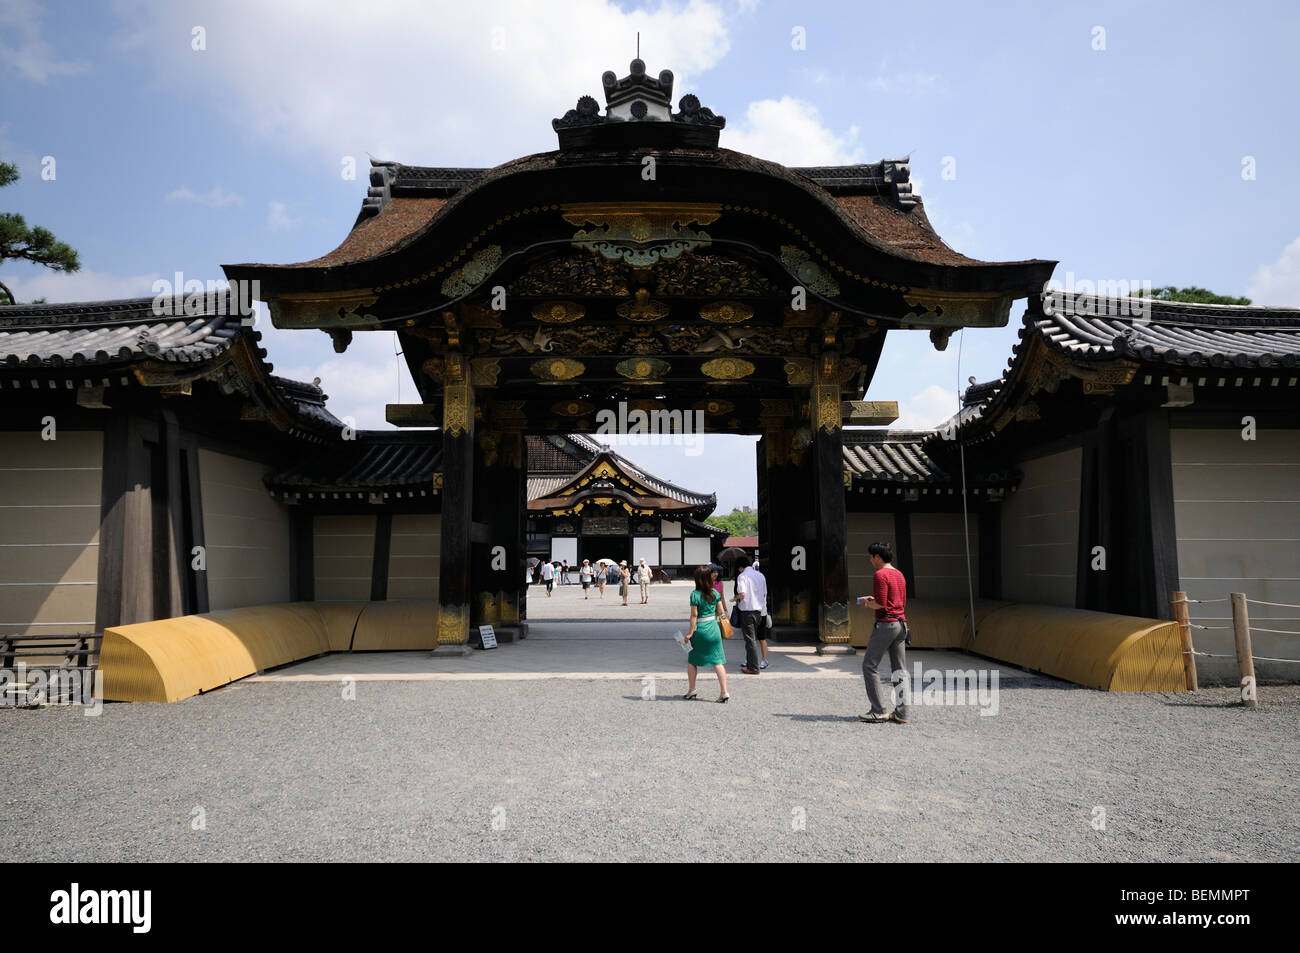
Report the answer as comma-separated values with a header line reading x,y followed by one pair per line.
x,y
1120,162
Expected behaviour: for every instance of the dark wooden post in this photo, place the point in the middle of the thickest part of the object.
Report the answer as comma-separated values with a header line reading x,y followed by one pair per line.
x,y
828,468
457,505
496,556
779,508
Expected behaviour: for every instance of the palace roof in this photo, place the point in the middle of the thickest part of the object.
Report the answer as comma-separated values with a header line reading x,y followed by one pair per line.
x,y
897,459
110,332
1103,345
94,345
388,464
554,462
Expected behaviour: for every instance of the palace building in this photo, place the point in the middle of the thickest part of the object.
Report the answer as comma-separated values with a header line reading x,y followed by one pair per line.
x,y
156,468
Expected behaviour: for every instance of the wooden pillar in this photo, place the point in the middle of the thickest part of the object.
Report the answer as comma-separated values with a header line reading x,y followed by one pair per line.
x,y
832,535
785,569
497,549
457,505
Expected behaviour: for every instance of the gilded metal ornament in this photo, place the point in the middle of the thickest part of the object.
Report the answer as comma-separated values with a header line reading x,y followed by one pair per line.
x,y
455,410
643,368
453,625
483,372
556,368
714,407
642,308
798,371
573,408
835,623
727,368
640,234
471,274
558,312
726,312
809,273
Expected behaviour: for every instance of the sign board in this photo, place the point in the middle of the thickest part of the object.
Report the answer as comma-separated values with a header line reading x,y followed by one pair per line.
x,y
488,635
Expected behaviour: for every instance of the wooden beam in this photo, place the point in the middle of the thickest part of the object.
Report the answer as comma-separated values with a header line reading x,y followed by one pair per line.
x,y
868,413
414,415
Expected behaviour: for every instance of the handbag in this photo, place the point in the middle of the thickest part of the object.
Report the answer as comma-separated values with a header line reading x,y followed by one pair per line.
x,y
735,615
724,627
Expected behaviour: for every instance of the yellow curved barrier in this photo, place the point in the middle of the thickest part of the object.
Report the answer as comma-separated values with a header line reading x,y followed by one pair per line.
x,y
405,624
169,659
1115,653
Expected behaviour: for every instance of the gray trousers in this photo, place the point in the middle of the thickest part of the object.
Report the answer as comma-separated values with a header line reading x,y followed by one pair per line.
x,y
888,637
751,624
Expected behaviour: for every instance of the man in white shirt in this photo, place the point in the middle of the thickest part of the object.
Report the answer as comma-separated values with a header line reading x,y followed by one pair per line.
x,y
548,577
751,601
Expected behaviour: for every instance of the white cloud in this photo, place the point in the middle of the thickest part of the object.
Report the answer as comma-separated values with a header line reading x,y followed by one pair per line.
x,y
927,409
217,197
277,216
359,382
791,131
56,286
24,49
433,91
1278,284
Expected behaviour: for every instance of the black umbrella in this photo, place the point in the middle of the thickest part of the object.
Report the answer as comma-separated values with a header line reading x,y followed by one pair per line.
x,y
533,561
732,553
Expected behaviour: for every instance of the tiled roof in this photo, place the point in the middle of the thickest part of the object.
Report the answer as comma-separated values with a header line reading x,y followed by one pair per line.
x,y
890,456
1182,335
109,332
377,461
403,201
899,458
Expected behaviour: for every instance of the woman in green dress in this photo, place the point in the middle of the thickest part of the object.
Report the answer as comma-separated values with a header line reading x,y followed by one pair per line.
x,y
705,636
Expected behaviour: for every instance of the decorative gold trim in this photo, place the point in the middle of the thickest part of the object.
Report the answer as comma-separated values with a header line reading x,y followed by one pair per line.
x,y
826,406
727,368
455,409
557,312
726,312
957,309
332,309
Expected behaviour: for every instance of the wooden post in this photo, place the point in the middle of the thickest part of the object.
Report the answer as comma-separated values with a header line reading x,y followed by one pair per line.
x,y
1245,661
1179,601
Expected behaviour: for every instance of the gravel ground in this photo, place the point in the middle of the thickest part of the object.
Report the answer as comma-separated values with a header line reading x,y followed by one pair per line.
x,y
587,770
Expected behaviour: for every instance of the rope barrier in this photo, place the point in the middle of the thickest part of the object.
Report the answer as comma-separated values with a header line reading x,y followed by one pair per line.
x,y
1255,628
1207,654
1194,625
1282,605
1183,602
1265,658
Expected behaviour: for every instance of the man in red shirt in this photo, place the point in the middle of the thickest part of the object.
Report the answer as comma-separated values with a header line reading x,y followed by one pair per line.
x,y
888,635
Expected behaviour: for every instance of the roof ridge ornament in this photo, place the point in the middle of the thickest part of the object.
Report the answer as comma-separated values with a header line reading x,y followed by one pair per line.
x,y
638,111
